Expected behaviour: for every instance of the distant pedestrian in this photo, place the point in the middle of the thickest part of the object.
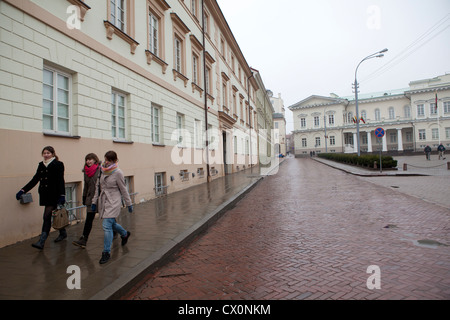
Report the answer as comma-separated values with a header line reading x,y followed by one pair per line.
x,y
92,171
109,201
441,151
427,151
50,175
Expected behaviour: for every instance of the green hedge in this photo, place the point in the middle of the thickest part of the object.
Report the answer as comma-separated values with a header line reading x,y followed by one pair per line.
x,y
363,160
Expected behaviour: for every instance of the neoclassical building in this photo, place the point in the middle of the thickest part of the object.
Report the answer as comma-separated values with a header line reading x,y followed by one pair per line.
x,y
410,118
169,91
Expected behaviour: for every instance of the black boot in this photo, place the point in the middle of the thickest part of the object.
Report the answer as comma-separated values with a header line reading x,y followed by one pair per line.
x,y
105,257
82,242
62,235
41,241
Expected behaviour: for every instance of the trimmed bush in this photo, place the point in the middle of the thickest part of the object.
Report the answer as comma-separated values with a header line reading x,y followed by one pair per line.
x,y
366,160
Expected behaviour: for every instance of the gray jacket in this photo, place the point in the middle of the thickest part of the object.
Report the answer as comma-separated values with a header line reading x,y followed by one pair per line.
x,y
112,189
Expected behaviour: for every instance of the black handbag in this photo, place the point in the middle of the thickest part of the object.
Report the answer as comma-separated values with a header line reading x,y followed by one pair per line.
x,y
26,198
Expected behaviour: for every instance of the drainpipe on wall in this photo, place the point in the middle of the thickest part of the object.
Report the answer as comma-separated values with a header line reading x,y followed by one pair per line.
x,y
249,117
206,93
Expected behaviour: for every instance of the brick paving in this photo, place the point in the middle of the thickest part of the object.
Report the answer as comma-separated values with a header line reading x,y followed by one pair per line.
x,y
310,232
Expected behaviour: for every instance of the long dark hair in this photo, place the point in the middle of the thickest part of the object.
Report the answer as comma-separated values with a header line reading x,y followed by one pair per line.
x,y
92,156
51,150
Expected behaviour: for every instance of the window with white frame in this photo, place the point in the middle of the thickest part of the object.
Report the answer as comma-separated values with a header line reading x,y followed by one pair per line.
x,y
349,117
235,146
364,139
420,110
435,134
207,81
408,136
332,140
304,143
178,55
377,115
156,124
303,122
195,69
393,137
71,195
391,113
316,121
118,116
364,115
447,107
422,134
180,127
153,33
160,188
317,142
224,96
447,133
118,14
433,109
194,7
56,101
407,111
331,119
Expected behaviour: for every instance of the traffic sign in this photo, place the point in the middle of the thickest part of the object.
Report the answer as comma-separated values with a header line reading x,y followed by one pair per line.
x,y
379,132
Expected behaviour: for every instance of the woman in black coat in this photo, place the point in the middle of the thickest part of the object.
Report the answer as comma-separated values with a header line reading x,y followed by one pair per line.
x,y
50,175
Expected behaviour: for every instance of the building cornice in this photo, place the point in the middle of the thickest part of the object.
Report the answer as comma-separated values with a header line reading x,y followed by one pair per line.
x,y
429,89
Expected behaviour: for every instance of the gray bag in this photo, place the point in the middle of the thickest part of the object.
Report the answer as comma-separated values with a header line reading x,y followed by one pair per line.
x,y
26,198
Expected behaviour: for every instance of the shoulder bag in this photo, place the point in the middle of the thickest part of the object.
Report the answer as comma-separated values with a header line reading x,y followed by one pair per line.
x,y
60,218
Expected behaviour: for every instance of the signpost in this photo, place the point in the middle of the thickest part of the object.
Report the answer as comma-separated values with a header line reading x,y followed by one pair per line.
x,y
379,133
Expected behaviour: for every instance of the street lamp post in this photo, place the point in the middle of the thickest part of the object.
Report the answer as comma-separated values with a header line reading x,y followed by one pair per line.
x,y
378,54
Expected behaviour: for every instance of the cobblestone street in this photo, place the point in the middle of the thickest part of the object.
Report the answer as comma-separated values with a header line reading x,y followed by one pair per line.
x,y
311,232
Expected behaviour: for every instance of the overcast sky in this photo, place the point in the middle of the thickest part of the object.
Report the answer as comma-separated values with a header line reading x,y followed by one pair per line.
x,y
312,47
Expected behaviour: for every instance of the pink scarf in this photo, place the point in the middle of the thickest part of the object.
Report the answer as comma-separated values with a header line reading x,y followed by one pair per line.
x,y
90,171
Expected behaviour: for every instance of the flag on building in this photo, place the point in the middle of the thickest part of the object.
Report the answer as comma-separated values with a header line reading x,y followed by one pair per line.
x,y
436,100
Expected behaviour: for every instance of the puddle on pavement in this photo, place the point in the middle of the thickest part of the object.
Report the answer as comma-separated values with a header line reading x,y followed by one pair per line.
x,y
426,243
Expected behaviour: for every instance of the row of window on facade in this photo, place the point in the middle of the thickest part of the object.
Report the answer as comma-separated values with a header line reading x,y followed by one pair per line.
x,y
422,136
57,114
156,41
349,116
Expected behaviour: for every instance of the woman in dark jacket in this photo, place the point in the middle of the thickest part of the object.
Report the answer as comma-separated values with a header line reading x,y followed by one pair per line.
x,y
50,175
92,171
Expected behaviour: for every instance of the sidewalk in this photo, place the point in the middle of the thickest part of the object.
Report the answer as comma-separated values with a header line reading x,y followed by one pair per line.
x,y
158,229
416,166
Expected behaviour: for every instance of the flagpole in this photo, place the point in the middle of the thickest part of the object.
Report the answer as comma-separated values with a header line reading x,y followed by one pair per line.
x,y
439,129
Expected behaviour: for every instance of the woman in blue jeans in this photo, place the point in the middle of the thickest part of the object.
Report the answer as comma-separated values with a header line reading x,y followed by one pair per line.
x,y
109,200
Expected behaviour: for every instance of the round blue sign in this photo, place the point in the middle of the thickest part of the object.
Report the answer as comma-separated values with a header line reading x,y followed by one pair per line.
x,y
379,132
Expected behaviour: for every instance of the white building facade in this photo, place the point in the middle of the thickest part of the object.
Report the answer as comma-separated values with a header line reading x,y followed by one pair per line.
x,y
279,121
131,76
410,118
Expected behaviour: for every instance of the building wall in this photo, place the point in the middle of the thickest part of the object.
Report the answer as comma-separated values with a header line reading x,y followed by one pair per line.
x,y
37,40
396,112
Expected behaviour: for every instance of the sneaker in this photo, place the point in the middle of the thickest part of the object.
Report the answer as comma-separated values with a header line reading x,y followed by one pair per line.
x,y
125,239
105,257
81,243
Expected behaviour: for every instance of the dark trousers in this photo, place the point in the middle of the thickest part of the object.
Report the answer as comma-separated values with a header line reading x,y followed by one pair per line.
x,y
48,219
88,223
46,226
